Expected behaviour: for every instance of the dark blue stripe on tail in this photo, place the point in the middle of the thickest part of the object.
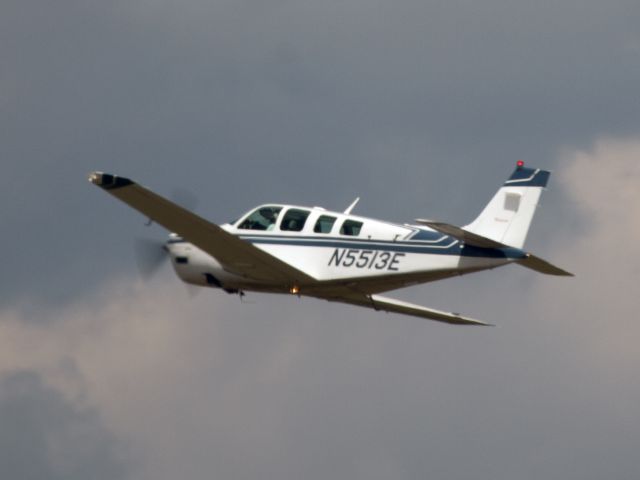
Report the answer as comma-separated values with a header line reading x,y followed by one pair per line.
x,y
528,177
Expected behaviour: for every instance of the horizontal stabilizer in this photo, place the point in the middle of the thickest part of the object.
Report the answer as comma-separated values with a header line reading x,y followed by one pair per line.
x,y
461,234
542,266
529,260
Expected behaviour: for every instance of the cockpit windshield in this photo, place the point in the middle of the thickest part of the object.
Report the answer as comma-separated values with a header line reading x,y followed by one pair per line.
x,y
263,218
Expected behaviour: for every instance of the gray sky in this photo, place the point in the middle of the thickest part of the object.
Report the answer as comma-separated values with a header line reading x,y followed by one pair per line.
x,y
421,108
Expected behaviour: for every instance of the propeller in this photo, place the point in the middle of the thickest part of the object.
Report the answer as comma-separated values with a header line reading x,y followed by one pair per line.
x,y
150,255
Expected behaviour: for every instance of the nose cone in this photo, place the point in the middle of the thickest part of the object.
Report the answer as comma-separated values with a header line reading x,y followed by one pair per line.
x,y
173,240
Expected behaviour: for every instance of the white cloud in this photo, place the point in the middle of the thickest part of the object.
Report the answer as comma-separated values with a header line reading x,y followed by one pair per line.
x,y
141,355
598,308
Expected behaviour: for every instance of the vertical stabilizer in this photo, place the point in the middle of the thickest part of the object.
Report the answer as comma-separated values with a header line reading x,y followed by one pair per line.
x,y
507,217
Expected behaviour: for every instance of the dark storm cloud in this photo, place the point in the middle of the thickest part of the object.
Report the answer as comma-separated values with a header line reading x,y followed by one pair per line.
x,y
285,101
44,436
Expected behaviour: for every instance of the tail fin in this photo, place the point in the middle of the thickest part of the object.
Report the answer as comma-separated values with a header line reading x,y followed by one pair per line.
x,y
507,217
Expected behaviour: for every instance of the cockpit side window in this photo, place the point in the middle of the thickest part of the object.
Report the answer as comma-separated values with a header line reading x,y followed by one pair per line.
x,y
350,227
294,219
324,224
264,218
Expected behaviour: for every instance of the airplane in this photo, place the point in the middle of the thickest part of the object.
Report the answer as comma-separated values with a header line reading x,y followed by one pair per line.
x,y
339,256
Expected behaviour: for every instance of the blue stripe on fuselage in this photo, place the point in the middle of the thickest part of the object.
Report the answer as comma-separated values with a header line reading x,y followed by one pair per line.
x,y
448,246
445,246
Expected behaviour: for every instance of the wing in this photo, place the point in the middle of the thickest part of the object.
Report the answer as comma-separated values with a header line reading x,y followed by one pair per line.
x,y
236,255
391,305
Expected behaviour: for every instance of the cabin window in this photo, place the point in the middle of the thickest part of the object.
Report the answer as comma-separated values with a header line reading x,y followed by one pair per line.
x,y
350,227
263,218
293,220
324,224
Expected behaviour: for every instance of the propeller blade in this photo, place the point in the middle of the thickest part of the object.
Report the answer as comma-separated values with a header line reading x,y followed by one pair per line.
x,y
150,255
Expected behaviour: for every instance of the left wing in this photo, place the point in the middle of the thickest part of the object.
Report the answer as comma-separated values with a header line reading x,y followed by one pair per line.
x,y
236,255
391,305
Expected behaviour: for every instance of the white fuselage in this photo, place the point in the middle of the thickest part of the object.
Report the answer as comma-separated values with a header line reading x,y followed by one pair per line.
x,y
398,255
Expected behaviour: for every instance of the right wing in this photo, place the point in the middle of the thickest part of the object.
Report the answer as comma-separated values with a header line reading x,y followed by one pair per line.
x,y
236,255
378,302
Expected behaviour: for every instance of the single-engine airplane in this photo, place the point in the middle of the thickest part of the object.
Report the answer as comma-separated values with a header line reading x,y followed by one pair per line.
x,y
339,256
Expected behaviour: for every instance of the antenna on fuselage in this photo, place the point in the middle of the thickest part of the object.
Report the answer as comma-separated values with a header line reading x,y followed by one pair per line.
x,y
352,206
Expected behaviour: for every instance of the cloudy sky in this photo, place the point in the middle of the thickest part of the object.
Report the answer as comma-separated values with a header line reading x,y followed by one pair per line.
x,y
419,107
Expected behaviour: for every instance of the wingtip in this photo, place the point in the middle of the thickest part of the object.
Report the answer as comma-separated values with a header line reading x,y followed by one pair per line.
x,y
460,320
94,177
108,181
483,324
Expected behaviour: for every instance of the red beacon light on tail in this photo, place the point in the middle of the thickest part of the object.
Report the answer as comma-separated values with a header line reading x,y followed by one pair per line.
x,y
520,163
